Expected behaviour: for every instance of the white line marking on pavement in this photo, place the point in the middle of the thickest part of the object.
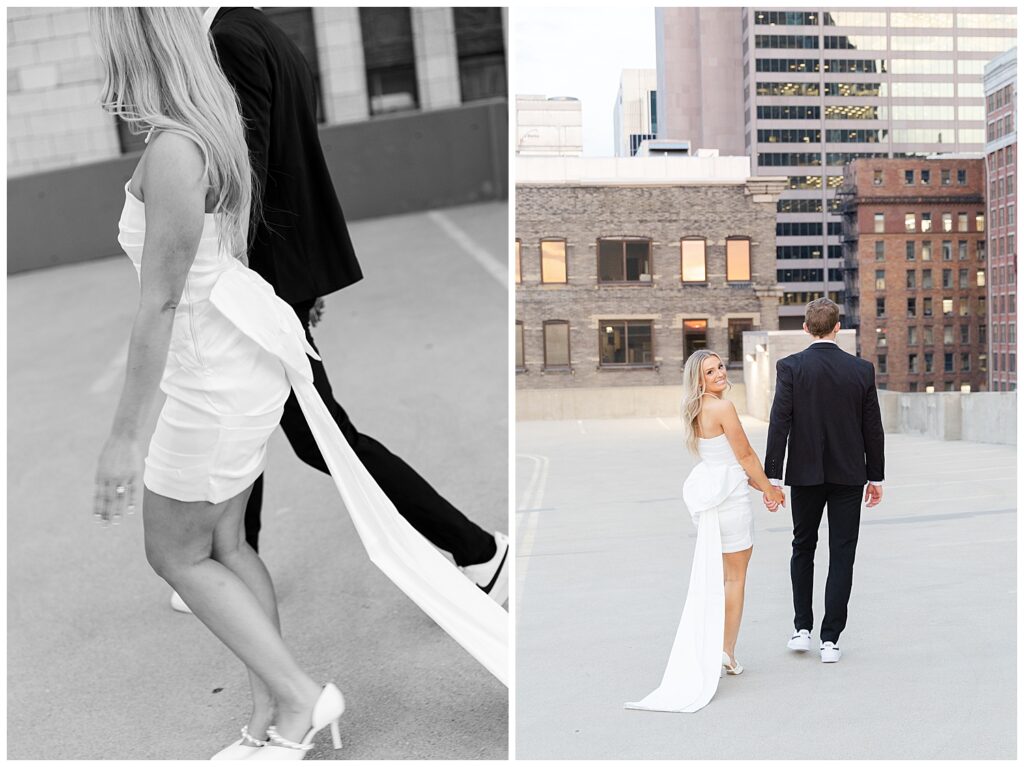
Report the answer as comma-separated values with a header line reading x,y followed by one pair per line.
x,y
664,424
491,265
532,499
113,371
972,543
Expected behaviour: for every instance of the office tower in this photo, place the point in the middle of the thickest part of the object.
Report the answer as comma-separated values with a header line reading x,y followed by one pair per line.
x,y
914,236
1000,159
820,88
635,115
551,127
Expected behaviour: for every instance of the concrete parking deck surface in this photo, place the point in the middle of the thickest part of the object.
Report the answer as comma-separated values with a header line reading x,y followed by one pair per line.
x,y
605,546
99,667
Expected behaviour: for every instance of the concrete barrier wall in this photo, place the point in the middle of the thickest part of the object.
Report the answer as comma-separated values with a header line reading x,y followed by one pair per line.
x,y
381,167
610,402
971,416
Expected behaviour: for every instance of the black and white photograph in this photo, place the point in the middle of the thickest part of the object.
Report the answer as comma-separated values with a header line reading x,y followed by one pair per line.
x,y
765,380
258,370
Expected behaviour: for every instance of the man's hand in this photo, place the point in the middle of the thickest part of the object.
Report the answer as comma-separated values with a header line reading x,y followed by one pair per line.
x,y
873,494
316,313
774,498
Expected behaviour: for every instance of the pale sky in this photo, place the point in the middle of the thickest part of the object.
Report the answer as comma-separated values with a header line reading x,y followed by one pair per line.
x,y
581,52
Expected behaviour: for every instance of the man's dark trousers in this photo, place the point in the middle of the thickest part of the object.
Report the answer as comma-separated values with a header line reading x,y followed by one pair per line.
x,y
809,502
422,506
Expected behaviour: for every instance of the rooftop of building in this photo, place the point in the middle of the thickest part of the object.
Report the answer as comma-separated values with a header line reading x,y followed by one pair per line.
x,y
702,168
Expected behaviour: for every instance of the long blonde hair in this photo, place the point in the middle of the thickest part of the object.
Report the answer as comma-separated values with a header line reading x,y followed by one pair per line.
x,y
693,391
161,72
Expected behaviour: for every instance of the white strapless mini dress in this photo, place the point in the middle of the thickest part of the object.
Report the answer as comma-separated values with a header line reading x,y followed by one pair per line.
x,y
236,351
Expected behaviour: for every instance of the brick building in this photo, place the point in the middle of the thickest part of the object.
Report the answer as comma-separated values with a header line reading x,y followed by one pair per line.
x,y
367,62
624,266
1000,159
914,247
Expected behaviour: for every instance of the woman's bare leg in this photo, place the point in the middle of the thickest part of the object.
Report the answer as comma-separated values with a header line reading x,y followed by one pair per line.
x,y
735,570
179,546
231,550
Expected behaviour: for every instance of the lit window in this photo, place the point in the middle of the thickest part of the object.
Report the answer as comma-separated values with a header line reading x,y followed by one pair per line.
x,y
737,259
694,260
910,222
552,261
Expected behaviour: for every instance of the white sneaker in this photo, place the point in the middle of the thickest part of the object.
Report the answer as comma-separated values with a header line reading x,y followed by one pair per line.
x,y
800,641
830,653
178,604
492,576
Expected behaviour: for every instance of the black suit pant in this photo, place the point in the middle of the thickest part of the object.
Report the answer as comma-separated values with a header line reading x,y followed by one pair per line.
x,y
809,502
419,503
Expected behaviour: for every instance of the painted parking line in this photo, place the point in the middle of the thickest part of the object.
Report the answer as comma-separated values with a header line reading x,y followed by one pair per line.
x,y
527,529
478,253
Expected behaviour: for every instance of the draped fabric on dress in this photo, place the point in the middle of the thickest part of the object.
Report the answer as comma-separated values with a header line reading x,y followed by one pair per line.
x,y
235,349
695,661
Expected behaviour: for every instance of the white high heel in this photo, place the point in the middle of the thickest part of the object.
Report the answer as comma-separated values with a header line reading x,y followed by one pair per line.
x,y
732,667
242,748
326,712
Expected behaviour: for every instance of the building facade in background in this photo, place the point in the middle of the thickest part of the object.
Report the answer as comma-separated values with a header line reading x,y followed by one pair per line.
x,y
1001,161
626,266
915,236
549,126
635,117
818,89
366,61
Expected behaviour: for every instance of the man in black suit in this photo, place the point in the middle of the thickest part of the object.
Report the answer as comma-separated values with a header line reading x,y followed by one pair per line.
x,y
300,244
826,407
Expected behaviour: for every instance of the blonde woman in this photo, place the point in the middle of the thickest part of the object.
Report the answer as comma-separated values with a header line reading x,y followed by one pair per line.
x,y
225,350
717,497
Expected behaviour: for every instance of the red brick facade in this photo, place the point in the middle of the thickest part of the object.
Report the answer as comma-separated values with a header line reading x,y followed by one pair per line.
x,y
915,254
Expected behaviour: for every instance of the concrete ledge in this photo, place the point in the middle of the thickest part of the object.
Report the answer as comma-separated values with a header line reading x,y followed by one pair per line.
x,y
609,402
971,416
381,167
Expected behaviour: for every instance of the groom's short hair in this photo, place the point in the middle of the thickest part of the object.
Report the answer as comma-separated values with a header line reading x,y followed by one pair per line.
x,y
821,316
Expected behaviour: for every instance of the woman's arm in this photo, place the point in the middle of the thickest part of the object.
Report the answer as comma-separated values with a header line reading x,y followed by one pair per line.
x,y
725,411
175,196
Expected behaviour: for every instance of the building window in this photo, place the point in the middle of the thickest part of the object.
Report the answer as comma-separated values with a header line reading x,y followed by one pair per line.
x,y
624,260
965,362
964,304
947,250
929,335
879,223
926,222
520,356
929,362
553,268
947,278
926,310
926,176
693,267
879,307
965,334
908,177
626,343
881,365
911,279
737,259
947,222
983,362
947,307
480,41
519,261
695,336
878,178
963,278
880,338
911,335
947,362
961,177
962,249
926,250
879,250
910,222
945,176
389,59
911,307
911,255
979,222
947,334
912,363
961,222
556,345
736,329
926,278
879,279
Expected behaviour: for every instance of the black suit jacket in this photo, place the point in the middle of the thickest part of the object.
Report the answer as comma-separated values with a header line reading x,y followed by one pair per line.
x,y
826,406
301,245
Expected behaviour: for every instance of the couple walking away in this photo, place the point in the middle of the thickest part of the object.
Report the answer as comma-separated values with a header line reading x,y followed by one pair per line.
x,y
826,409
233,174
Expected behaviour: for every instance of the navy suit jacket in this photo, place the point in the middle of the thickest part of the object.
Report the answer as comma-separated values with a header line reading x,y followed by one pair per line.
x,y
826,408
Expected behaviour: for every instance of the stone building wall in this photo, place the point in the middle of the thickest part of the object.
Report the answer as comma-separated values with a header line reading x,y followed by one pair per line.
x,y
582,214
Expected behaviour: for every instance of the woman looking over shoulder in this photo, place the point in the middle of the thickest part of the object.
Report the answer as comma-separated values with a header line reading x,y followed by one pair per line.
x,y
716,495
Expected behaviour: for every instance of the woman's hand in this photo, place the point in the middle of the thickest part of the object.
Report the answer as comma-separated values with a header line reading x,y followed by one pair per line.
x,y
774,498
118,480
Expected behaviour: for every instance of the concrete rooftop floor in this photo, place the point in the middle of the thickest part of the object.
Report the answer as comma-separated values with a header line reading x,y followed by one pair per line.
x,y
604,552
